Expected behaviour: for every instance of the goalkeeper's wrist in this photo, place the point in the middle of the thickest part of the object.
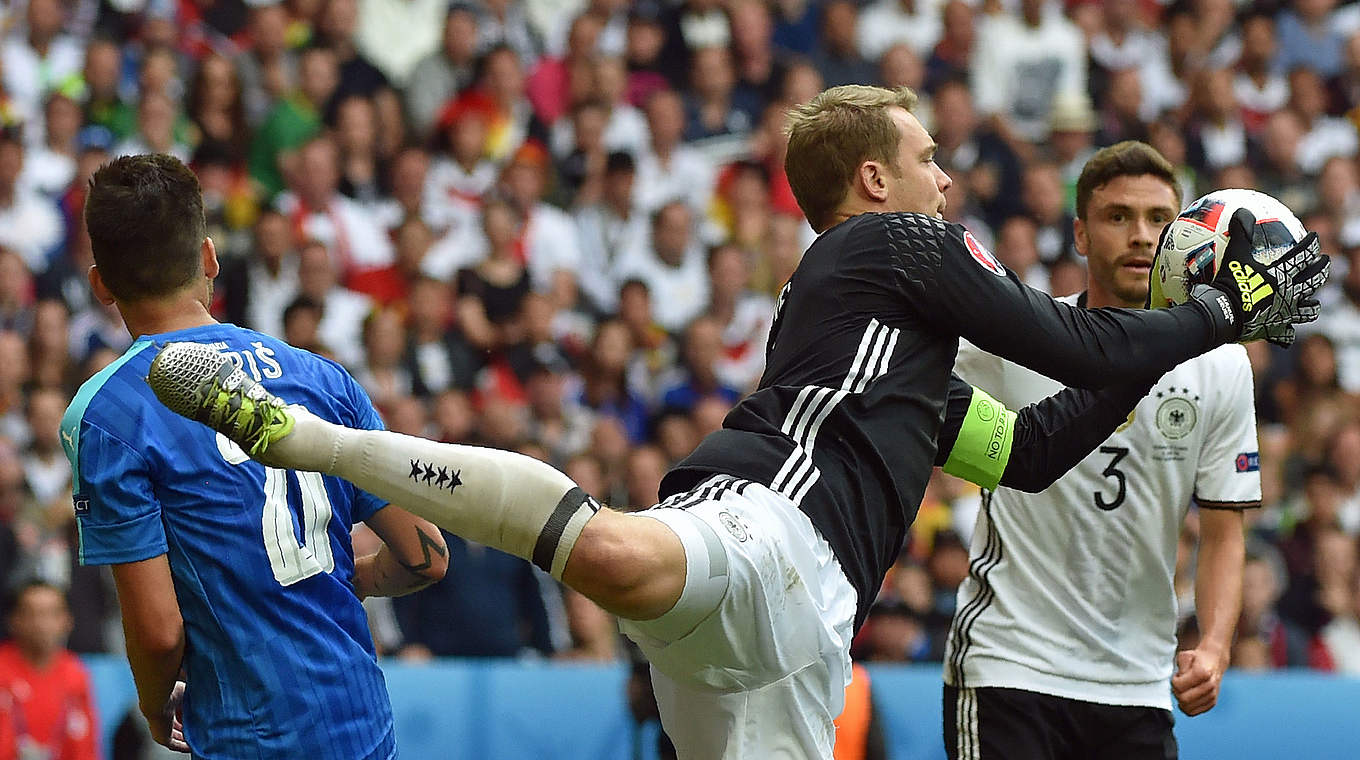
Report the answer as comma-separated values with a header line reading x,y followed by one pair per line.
x,y
1224,320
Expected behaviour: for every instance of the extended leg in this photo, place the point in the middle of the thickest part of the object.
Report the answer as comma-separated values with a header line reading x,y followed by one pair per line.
x,y
632,566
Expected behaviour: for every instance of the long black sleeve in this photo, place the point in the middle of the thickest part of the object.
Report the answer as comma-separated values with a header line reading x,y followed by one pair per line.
x,y
951,283
1050,437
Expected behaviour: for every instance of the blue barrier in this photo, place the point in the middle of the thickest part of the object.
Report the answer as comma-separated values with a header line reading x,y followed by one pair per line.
x,y
509,710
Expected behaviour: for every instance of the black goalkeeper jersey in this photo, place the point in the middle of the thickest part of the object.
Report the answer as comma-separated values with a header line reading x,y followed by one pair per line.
x,y
848,417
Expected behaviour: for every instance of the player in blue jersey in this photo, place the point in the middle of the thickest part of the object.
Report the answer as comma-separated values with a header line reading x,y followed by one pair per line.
x,y
240,575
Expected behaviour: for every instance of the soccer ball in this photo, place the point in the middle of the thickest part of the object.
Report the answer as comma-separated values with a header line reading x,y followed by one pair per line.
x,y
1192,248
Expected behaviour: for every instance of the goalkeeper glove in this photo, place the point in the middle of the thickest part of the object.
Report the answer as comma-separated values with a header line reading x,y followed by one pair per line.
x,y
1269,298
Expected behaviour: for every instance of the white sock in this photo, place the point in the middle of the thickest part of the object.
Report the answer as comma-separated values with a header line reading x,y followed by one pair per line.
x,y
498,498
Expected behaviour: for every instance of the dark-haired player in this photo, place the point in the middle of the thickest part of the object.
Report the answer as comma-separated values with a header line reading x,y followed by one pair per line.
x,y
241,576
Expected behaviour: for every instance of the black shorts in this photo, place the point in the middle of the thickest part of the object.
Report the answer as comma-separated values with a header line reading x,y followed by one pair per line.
x,y
993,723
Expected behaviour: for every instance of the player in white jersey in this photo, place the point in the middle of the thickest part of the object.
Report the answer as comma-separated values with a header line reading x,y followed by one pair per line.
x,y
1063,643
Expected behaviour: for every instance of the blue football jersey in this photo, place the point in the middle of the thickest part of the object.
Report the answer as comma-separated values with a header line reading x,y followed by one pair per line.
x,y
279,657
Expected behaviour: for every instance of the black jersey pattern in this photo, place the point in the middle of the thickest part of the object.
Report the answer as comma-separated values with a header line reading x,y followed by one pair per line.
x,y
858,377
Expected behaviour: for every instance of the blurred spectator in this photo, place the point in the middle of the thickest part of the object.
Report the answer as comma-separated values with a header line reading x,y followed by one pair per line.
x,y
336,29
562,427
673,263
342,310
459,175
759,66
646,466
644,41
229,206
50,704
950,57
103,74
37,57
491,293
1218,136
668,169
626,127
1125,111
547,238
156,117
302,325
975,154
317,210
395,35
900,66
1072,126
697,377
1121,40
269,281
1312,385
51,163
1324,136
743,315
490,605
14,375
884,23
1020,64
216,104
716,108
1045,204
29,225
500,76
838,56
16,293
605,388
1342,634
383,374
46,471
49,347
1308,38
1259,87
607,230
407,171
503,23
438,356
1017,246
362,171
548,83
294,119
444,72
268,67
1278,163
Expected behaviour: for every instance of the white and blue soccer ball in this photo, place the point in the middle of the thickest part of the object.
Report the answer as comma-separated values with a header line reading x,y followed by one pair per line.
x,y
1192,249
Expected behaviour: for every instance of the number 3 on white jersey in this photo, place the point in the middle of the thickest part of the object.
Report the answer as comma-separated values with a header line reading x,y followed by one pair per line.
x,y
290,560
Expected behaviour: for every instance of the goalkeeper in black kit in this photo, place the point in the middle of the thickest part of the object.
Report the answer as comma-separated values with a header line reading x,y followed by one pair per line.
x,y
746,583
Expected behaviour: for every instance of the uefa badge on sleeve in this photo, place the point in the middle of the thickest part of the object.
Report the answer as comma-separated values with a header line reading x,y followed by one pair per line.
x,y
983,256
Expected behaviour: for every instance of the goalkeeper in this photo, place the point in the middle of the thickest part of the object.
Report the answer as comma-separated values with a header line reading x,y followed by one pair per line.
x,y
746,584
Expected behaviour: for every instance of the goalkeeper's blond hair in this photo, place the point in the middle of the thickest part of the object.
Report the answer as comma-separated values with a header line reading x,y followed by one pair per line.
x,y
831,135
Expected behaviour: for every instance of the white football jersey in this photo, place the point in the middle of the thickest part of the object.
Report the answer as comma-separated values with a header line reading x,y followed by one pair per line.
x,y
1071,592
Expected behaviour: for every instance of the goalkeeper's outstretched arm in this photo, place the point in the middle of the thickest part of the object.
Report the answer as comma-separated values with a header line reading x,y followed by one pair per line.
x,y
984,442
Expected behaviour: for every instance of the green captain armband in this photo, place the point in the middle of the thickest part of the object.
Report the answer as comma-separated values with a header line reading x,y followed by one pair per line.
x,y
983,446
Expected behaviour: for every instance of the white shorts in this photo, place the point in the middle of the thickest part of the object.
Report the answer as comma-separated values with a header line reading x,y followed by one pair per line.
x,y
763,673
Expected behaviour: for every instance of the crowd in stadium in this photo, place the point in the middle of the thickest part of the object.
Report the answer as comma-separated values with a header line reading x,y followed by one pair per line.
x,y
559,227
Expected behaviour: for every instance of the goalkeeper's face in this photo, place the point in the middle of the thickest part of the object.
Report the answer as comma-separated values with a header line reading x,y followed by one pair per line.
x,y
916,182
1118,237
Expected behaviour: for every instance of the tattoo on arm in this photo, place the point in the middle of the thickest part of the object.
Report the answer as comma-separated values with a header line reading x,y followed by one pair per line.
x,y
427,544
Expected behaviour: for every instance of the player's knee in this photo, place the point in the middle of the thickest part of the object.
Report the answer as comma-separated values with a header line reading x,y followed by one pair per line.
x,y
632,567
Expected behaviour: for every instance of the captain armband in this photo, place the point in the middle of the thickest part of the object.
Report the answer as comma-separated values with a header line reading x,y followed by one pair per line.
x,y
983,446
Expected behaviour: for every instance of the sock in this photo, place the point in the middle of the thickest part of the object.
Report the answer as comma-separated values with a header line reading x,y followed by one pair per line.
x,y
502,499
